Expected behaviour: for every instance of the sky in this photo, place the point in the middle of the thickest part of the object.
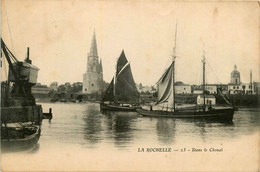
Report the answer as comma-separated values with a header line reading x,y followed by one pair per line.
x,y
59,35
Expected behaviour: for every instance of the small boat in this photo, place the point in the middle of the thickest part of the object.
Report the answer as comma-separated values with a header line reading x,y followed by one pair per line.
x,y
121,94
63,100
20,138
117,107
21,117
166,95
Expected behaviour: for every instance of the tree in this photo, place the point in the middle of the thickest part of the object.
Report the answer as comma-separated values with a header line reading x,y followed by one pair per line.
x,y
61,88
76,87
68,87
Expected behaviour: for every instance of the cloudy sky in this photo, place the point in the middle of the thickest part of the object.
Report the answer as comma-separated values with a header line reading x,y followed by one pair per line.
x,y
59,35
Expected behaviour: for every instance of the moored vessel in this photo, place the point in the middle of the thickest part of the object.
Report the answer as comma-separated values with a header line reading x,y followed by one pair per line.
x,y
121,94
166,97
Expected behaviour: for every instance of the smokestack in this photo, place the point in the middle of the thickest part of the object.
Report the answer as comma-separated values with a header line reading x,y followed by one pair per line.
x,y
28,56
28,52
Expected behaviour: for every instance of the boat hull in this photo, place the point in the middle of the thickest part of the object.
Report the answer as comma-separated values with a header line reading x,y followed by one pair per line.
x,y
14,145
108,107
20,117
212,115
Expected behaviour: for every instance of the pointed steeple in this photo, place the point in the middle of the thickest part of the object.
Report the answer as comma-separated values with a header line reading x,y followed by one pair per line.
x,y
235,67
93,49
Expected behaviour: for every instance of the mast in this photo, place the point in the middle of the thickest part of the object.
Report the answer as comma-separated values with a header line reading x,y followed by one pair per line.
x,y
251,85
114,88
204,62
173,69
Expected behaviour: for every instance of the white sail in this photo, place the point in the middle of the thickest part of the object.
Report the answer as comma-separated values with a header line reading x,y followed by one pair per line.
x,y
165,87
166,91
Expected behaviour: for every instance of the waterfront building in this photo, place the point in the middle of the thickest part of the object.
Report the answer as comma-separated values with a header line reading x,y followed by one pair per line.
x,y
244,88
181,88
234,88
237,87
40,91
196,89
209,99
211,88
223,88
256,87
93,78
247,88
145,89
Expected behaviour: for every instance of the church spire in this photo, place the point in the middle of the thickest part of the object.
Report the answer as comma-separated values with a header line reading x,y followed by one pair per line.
x,y
93,50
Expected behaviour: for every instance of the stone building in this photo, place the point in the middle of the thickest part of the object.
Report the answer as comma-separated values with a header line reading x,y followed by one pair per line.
x,y
181,88
209,100
93,78
237,87
40,91
211,88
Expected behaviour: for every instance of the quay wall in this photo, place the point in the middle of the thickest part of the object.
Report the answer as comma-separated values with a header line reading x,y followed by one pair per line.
x,y
235,99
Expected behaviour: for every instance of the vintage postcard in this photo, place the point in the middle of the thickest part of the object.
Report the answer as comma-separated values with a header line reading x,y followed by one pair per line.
x,y
137,85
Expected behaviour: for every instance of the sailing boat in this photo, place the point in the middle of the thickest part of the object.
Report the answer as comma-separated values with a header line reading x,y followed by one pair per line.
x,y
166,94
121,94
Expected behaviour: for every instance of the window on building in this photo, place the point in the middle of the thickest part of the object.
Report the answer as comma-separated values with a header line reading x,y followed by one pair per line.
x,y
237,87
85,89
92,85
234,87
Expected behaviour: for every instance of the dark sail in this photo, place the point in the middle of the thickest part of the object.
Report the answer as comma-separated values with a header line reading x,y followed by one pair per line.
x,y
121,62
109,96
125,88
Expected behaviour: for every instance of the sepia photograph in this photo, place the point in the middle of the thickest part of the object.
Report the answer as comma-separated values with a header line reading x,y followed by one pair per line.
x,y
142,85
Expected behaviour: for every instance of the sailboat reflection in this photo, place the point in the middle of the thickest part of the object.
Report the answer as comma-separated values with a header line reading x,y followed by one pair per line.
x,y
120,128
203,127
93,127
166,130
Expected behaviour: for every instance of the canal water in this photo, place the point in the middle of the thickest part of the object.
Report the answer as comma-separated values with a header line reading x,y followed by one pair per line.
x,y
81,134
85,126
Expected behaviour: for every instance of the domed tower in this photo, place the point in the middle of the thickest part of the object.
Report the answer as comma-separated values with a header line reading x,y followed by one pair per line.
x,y
93,78
235,76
